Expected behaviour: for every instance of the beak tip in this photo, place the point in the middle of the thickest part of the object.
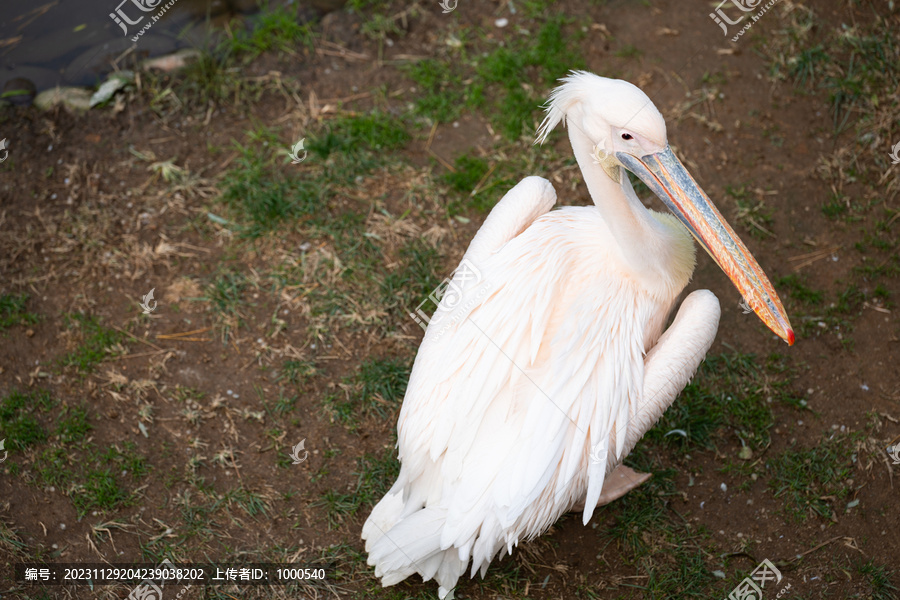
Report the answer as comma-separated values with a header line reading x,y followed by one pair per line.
x,y
790,337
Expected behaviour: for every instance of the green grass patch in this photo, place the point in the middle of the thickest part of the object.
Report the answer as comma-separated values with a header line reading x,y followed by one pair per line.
x,y
411,282
18,423
470,170
653,534
264,193
73,425
544,57
13,311
273,30
442,95
879,579
730,390
298,372
375,475
97,343
801,477
377,389
798,289
93,479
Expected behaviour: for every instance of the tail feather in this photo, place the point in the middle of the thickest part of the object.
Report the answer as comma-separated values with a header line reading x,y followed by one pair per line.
x,y
411,545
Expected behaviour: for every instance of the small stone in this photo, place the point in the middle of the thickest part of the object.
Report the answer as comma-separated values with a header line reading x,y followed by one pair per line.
x,y
723,487
72,98
62,525
501,22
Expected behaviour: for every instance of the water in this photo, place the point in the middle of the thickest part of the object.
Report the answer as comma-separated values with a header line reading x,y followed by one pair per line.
x,y
76,42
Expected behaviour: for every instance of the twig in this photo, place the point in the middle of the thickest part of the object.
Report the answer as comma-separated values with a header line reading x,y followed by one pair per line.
x,y
483,179
175,336
431,136
137,338
138,355
447,165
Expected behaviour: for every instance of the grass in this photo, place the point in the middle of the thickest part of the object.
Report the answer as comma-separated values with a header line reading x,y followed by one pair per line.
x,y
799,290
298,372
374,476
879,579
502,81
546,57
93,479
730,390
13,311
654,535
442,95
73,425
751,212
804,478
376,389
274,30
411,282
264,194
97,343
67,459
18,423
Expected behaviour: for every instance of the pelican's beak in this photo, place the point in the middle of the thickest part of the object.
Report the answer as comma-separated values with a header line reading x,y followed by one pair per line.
x,y
666,176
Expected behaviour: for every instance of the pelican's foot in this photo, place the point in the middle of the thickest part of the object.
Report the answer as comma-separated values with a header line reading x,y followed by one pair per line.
x,y
618,483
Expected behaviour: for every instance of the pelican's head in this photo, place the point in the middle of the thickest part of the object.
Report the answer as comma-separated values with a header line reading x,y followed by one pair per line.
x,y
628,131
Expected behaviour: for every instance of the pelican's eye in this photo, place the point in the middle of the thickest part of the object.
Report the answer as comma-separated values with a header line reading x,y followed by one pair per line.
x,y
627,136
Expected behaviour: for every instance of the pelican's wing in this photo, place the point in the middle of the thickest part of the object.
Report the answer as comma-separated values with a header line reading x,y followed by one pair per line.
x,y
674,359
493,427
668,367
518,209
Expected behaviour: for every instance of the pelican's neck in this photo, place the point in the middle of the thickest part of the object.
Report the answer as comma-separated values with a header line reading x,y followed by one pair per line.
x,y
646,244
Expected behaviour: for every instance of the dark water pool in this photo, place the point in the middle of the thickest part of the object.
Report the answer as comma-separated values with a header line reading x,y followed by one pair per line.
x,y
76,42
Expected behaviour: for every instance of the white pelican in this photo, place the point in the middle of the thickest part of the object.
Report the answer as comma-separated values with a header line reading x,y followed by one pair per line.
x,y
544,363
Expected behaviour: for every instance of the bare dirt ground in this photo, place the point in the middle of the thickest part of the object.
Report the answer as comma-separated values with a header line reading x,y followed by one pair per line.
x,y
283,293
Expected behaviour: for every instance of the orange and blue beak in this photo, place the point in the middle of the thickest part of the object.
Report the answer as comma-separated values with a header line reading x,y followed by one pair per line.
x,y
664,174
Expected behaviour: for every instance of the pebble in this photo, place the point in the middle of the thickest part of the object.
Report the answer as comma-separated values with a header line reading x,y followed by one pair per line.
x,y
723,487
62,525
501,22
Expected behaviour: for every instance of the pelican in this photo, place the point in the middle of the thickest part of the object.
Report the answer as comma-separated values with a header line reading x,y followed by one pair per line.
x,y
546,361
